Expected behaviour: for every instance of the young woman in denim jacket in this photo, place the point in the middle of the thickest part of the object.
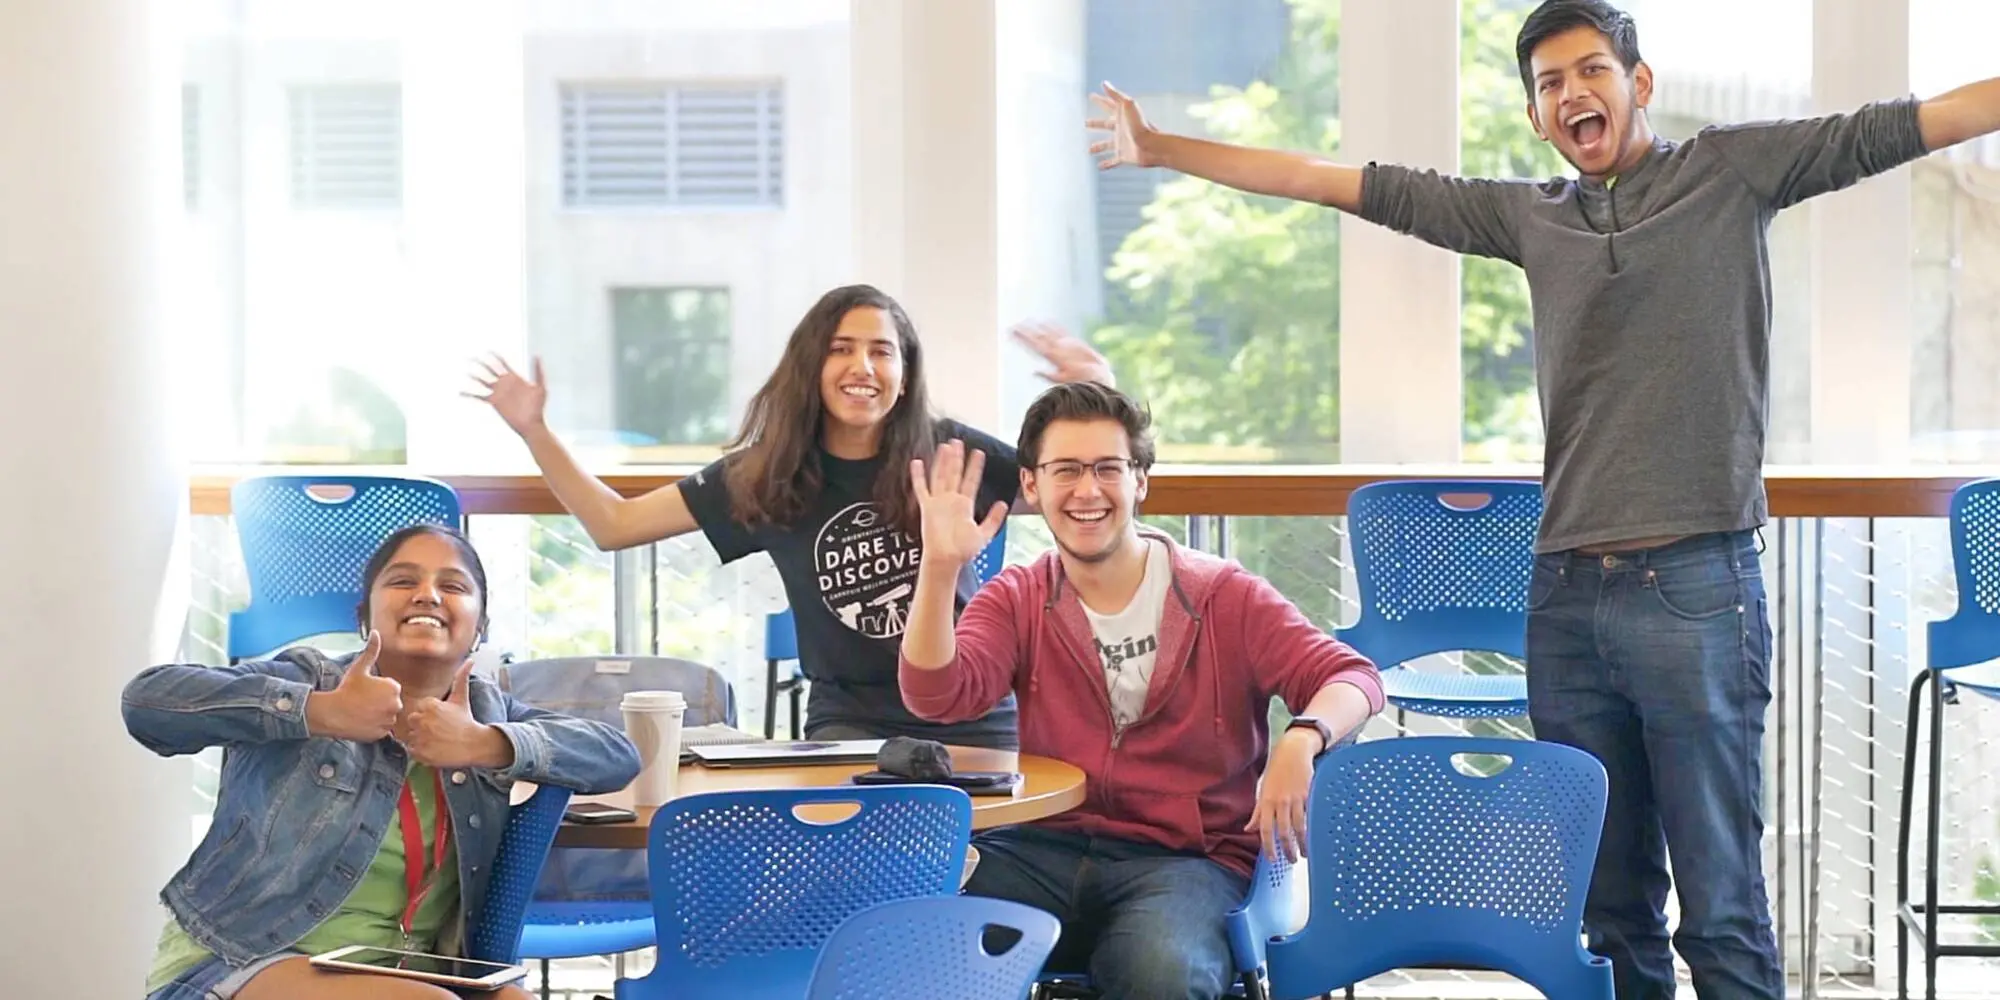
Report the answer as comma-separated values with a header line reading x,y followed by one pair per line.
x,y
341,776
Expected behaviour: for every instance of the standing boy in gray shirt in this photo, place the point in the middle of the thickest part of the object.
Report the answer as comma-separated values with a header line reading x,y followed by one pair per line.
x,y
1648,635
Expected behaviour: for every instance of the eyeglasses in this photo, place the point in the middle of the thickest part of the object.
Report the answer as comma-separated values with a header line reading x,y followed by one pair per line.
x,y
1069,472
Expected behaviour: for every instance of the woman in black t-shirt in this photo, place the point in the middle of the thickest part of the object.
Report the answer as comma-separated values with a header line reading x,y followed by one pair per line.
x,y
818,476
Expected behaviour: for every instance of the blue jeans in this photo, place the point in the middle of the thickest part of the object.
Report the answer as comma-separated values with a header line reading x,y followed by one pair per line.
x,y
1145,922
1657,662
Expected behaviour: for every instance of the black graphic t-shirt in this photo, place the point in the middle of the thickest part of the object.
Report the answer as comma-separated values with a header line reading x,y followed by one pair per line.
x,y
849,575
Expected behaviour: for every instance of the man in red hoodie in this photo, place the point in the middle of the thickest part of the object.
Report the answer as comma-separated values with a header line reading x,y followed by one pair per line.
x,y
1150,667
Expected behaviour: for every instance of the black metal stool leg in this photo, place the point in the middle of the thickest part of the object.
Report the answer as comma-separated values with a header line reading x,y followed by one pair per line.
x,y
770,698
1933,830
1910,742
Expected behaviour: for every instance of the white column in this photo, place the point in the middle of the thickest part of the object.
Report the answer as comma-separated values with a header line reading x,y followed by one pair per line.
x,y
1401,386
1861,249
465,226
465,223
1046,188
93,515
926,159
1862,321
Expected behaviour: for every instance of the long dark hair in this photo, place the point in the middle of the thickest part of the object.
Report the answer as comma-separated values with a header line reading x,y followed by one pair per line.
x,y
774,473
387,551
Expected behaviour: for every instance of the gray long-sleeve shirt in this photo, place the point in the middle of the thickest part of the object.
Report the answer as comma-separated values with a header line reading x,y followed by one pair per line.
x,y
1652,307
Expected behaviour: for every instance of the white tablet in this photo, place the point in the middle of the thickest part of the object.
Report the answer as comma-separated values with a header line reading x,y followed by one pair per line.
x,y
464,973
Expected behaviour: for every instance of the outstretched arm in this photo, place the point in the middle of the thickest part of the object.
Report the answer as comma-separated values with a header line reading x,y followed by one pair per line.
x,y
1298,176
1959,115
1468,216
613,521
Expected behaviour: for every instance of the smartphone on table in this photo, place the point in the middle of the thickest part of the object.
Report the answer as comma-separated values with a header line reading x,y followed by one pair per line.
x,y
592,813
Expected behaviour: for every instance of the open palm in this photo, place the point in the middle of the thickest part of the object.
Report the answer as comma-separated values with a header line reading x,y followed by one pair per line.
x,y
519,400
1120,116
947,494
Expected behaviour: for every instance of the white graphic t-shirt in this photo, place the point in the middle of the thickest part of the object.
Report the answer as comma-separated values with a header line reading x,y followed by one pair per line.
x,y
1128,642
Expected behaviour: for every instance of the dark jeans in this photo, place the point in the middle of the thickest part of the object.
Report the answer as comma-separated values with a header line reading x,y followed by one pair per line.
x,y
1144,922
1657,662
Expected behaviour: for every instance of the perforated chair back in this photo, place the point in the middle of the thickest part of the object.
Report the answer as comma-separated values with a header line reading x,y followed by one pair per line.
x,y
781,636
746,890
593,687
1442,566
495,936
934,947
1972,634
993,558
305,540
1416,863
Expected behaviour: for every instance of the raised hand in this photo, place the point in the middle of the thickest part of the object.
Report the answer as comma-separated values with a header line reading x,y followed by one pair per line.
x,y
1131,134
363,708
1070,359
445,734
518,400
951,535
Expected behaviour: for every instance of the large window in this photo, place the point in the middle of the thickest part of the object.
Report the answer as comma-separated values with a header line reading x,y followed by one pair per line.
x,y
1503,418
671,365
673,144
1221,309
1955,220
1761,68
380,196
347,146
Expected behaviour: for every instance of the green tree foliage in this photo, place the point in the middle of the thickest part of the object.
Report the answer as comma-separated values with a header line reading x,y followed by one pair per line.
x,y
1224,312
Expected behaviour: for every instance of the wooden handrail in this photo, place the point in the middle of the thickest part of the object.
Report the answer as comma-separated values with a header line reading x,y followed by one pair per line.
x,y
1247,491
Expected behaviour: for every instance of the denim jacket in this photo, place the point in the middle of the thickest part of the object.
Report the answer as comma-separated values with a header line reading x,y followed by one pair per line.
x,y
298,818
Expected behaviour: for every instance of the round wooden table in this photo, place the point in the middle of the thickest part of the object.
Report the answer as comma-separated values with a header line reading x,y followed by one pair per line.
x,y
1047,788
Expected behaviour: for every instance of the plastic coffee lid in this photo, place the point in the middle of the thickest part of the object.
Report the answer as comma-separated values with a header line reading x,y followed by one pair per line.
x,y
653,701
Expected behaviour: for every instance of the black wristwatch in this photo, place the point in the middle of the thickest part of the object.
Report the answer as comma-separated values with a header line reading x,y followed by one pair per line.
x,y
1308,722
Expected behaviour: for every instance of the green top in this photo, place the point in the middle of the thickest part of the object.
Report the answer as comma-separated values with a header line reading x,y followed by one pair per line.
x,y
372,914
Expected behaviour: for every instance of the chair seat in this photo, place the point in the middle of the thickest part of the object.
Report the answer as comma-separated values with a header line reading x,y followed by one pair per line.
x,y
1459,696
579,930
1979,678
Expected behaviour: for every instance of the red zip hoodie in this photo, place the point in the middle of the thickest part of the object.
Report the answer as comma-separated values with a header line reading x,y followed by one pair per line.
x,y
1184,774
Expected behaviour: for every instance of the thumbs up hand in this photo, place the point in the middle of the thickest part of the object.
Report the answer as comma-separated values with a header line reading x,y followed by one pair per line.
x,y
363,708
445,734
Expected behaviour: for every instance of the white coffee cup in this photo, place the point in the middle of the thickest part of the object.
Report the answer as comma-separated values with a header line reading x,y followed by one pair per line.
x,y
653,723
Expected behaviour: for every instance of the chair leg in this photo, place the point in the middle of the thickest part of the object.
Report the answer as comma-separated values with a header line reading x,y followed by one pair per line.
x,y
1910,743
770,698
545,979
798,717
1933,831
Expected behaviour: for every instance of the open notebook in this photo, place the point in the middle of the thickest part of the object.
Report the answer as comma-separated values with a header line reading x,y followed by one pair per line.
x,y
712,736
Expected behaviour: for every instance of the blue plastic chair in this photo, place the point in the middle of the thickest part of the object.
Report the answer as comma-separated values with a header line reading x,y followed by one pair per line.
x,y
781,642
593,901
1962,651
746,891
1435,575
304,554
495,936
1415,863
934,947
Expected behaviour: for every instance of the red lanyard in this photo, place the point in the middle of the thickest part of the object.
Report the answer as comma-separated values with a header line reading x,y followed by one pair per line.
x,y
415,878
